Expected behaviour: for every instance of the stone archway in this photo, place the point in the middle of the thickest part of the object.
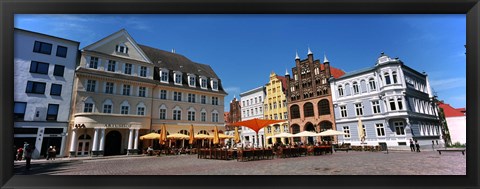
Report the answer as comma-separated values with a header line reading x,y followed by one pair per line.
x,y
309,127
113,143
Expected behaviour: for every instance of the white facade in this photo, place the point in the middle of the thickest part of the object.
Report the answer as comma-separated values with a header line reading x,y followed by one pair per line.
x,y
457,129
251,103
43,81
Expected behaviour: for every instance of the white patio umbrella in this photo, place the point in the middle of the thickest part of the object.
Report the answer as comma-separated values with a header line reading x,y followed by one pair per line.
x,y
330,132
305,134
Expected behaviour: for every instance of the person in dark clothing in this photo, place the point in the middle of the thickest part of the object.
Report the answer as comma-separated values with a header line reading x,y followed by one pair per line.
x,y
412,145
28,151
417,146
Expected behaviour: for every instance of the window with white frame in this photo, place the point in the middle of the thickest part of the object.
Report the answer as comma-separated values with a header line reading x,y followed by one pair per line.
x,y
142,91
372,84
109,87
177,96
126,90
107,106
285,128
392,105
343,111
203,82
376,107
399,127
178,78
340,90
163,94
191,98
203,99
191,80
93,62
214,84
394,76
285,115
269,129
214,100
143,71
191,115
91,85
359,109
214,117
177,114
88,107
128,69
356,90
346,130
400,104
387,78
204,116
141,110
380,129
111,65
121,48
124,109
164,75
163,113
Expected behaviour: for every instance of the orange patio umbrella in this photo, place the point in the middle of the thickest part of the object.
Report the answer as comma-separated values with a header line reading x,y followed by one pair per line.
x,y
216,138
256,124
190,141
163,135
237,135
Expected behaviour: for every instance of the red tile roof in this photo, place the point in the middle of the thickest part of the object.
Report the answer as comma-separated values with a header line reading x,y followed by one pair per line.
x,y
284,82
336,73
449,111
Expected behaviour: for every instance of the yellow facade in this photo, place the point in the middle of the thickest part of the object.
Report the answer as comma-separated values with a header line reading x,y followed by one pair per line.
x,y
275,107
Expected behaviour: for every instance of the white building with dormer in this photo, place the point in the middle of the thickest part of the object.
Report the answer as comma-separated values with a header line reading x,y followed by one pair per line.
x,y
393,101
252,107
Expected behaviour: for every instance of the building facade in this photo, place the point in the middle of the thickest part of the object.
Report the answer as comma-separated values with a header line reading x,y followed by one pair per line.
x,y
275,107
252,107
43,80
456,120
234,115
393,102
309,97
124,90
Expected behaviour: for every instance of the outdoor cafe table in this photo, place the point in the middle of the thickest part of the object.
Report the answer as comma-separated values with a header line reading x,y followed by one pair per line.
x,y
255,154
220,154
319,150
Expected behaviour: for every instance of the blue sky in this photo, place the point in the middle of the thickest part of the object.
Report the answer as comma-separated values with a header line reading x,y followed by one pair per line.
x,y
244,49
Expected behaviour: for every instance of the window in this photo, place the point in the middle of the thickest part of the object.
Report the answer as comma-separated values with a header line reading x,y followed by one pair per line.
x,y
214,117
285,115
203,99
93,62
387,78
35,87
203,82
178,78
394,75
308,109
128,69
215,85
285,128
177,96
380,129
243,102
340,90
140,110
62,51
163,94
371,82
191,80
124,109
295,112
121,48
19,110
56,90
111,65
191,98
392,105
91,84
204,116
356,90
163,113
323,107
109,87
164,76
39,67
58,70
359,109
399,102
214,100
343,111
256,100
107,108
399,127
52,112
126,90
376,107
275,116
191,116
143,71
42,47
88,107
346,130
177,115
269,129
260,98
142,91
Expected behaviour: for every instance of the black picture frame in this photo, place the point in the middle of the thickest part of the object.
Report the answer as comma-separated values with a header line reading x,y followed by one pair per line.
x,y
10,7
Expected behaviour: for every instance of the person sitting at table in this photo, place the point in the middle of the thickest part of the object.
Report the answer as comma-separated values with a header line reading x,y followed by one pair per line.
x,y
150,150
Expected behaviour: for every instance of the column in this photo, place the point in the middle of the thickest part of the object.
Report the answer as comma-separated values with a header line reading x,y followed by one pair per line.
x,y
95,143
73,143
130,140
102,141
135,144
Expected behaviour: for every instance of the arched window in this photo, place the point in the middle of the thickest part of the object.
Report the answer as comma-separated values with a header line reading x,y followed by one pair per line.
x,y
363,86
294,112
177,113
308,109
323,107
387,78
141,108
347,90
185,132
203,132
84,137
163,112
340,90
356,89
107,106
124,108
372,84
191,114
89,105
394,76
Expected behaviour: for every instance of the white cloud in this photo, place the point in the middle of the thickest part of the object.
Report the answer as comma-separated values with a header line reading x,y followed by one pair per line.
x,y
448,83
232,90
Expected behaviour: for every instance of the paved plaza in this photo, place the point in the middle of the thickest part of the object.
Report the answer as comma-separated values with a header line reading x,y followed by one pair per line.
x,y
338,163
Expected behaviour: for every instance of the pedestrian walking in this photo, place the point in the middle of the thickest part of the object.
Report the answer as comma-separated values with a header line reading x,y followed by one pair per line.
x,y
28,155
49,153
412,145
19,154
417,146
54,152
433,145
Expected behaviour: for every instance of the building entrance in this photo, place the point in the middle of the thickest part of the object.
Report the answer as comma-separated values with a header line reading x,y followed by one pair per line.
x,y
309,127
113,143
83,148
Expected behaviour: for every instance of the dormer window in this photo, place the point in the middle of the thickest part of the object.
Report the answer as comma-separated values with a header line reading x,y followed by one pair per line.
x,y
191,80
121,48
203,82
178,78
214,83
164,75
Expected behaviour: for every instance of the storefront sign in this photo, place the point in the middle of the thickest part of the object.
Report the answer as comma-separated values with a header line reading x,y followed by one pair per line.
x,y
118,125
